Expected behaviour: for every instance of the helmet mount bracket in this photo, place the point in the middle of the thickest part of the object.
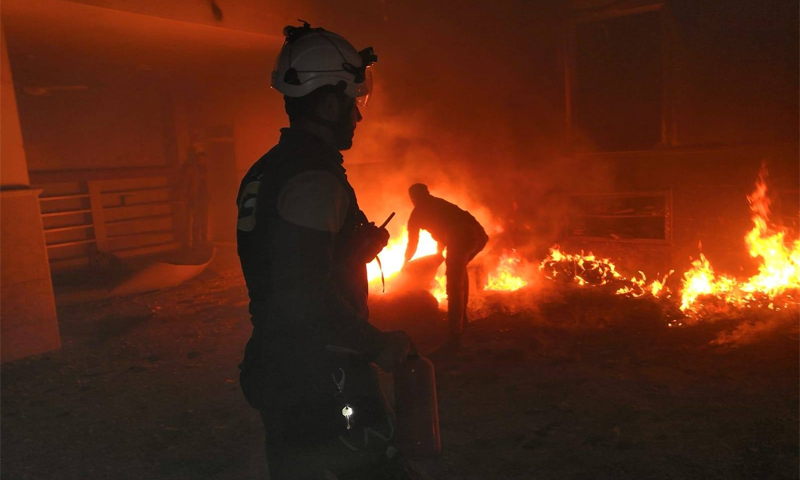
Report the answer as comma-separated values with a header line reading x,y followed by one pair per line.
x,y
313,57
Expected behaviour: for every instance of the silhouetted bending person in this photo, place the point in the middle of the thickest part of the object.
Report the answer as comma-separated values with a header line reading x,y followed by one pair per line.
x,y
304,244
462,235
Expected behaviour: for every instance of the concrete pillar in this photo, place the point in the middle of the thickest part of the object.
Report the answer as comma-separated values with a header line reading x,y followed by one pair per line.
x,y
28,323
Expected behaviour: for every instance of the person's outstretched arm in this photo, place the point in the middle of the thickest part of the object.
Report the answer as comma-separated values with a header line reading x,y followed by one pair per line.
x,y
413,238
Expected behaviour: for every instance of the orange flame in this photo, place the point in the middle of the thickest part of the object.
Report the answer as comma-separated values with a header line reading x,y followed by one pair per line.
x,y
776,285
594,271
505,277
701,280
392,257
778,273
393,254
439,290
583,269
659,286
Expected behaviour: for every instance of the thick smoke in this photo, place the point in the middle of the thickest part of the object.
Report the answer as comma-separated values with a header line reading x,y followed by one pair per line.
x,y
473,106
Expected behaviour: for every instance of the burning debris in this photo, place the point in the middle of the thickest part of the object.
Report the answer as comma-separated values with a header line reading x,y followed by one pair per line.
x,y
590,270
699,293
777,282
703,291
504,278
580,268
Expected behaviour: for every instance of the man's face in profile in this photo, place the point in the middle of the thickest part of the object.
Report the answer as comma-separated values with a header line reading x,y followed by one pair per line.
x,y
347,131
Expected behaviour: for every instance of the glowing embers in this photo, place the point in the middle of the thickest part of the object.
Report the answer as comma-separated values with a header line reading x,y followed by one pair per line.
x,y
505,276
639,287
589,270
778,280
579,268
703,292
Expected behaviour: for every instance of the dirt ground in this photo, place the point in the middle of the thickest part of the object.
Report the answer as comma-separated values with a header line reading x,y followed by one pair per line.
x,y
586,386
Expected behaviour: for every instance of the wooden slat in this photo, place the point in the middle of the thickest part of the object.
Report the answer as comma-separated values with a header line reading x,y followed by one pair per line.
x,y
129,200
157,227
133,212
147,249
141,239
137,219
132,191
72,243
68,228
137,234
68,212
117,227
64,197
122,207
118,174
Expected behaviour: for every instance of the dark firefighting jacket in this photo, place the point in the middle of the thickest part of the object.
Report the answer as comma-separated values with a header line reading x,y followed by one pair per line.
x,y
297,225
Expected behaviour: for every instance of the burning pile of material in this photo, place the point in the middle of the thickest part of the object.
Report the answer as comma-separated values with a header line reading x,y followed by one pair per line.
x,y
503,278
579,268
701,292
704,292
775,286
589,270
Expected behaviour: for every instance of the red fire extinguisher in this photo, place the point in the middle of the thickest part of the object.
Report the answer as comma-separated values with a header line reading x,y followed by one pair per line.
x,y
417,408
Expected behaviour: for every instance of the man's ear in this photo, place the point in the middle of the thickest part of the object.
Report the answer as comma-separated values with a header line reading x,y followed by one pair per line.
x,y
329,107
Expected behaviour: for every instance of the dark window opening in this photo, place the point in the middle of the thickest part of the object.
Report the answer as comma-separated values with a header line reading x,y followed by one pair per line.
x,y
618,74
632,216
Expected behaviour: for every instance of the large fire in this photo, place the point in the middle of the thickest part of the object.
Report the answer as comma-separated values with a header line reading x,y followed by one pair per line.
x,y
703,290
775,286
504,277
778,278
391,262
392,256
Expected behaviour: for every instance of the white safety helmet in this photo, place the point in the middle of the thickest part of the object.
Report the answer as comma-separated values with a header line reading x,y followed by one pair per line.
x,y
313,57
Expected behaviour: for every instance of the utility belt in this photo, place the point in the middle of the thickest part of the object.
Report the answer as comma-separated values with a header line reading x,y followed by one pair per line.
x,y
312,393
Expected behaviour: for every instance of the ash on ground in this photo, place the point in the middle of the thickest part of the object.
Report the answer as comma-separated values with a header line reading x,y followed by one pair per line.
x,y
578,384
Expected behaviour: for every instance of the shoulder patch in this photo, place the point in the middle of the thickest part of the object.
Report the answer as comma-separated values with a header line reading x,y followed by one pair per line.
x,y
248,204
314,199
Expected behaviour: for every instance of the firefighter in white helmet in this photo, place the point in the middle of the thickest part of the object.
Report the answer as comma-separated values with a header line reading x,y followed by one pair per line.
x,y
314,62
304,244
